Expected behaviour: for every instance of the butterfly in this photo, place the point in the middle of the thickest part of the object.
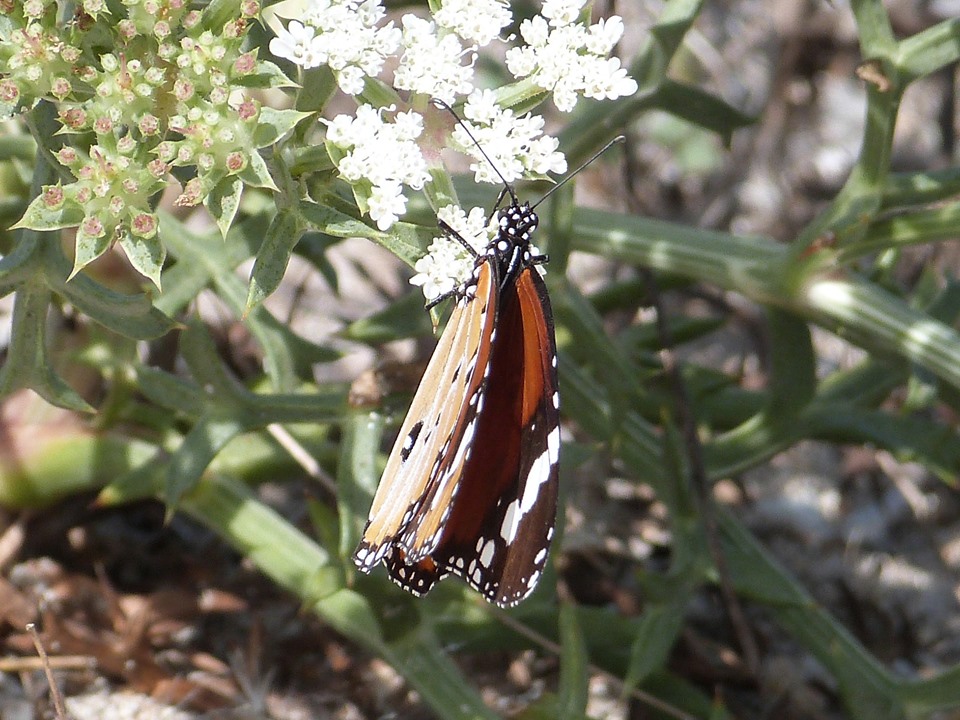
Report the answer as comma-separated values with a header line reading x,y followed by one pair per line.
x,y
470,487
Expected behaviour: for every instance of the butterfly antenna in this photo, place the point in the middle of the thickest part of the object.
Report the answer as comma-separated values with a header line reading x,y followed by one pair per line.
x,y
570,176
508,186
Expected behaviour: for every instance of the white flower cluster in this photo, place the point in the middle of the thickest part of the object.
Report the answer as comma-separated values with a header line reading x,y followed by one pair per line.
x,y
561,55
447,264
433,55
478,20
514,144
342,34
431,61
435,58
566,57
383,154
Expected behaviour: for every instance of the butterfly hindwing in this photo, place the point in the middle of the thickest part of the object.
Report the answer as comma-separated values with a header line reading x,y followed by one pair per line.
x,y
415,577
527,522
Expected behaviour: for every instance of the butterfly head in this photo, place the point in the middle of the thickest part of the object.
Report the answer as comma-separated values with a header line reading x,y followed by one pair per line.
x,y
512,246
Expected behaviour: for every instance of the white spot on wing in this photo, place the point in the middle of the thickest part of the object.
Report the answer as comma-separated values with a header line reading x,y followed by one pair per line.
x,y
486,557
553,446
464,445
539,473
511,521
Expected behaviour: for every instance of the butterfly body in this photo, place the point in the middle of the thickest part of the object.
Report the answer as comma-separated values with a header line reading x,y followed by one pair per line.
x,y
470,487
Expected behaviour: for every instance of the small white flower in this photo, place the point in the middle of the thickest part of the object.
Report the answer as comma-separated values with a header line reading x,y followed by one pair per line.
x,y
350,80
430,277
477,20
295,43
385,154
448,265
387,203
568,58
339,130
535,31
522,61
481,107
604,35
352,167
565,95
371,12
515,145
408,125
562,12
431,61
606,80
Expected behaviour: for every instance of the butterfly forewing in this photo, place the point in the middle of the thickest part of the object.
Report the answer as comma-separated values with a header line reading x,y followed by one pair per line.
x,y
500,529
420,538
421,465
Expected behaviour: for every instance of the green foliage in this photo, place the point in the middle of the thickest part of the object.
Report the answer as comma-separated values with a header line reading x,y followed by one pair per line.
x,y
200,439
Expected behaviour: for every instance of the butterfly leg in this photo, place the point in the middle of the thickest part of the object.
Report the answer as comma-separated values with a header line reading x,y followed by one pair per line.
x,y
439,299
454,235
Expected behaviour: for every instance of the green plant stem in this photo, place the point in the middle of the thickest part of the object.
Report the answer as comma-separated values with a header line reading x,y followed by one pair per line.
x,y
764,272
872,317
